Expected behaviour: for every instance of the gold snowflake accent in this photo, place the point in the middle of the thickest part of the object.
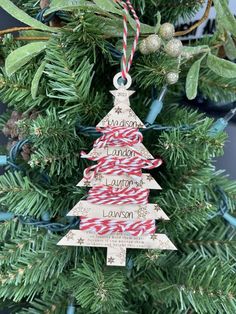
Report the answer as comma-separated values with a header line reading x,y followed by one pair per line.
x,y
140,126
142,212
122,254
80,210
118,110
145,153
94,154
157,207
80,241
139,183
132,114
87,183
99,177
70,235
163,243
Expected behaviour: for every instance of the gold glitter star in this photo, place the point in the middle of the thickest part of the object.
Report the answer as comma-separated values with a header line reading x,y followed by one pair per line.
x,y
110,260
80,241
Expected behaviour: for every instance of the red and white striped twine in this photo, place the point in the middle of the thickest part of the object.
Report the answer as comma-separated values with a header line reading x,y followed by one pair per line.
x,y
106,226
126,64
108,195
118,166
118,136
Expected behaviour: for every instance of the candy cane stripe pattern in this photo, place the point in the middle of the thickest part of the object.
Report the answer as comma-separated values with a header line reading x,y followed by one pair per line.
x,y
127,65
118,136
107,195
105,226
118,166
102,195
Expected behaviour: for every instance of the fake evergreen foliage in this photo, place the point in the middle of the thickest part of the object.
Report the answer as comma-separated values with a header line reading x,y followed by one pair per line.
x,y
65,77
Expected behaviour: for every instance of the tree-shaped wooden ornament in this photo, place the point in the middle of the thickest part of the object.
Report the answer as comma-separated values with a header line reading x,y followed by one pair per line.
x,y
121,116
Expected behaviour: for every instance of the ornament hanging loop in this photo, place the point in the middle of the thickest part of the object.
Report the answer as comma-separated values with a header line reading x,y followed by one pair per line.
x,y
117,82
127,62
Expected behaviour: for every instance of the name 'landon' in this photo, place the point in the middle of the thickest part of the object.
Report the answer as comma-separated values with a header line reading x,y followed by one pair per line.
x,y
121,152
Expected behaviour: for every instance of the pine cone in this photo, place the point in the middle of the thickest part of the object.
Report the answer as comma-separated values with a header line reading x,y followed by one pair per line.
x,y
14,134
26,149
44,4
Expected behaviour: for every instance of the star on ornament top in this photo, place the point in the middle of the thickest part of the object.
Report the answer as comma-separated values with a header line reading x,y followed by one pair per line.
x,y
122,96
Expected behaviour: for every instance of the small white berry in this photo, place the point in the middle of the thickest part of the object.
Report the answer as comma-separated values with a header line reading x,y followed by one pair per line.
x,y
167,31
172,77
143,47
174,48
153,43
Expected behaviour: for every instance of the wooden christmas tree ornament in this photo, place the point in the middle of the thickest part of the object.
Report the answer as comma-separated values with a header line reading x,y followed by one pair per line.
x,y
117,215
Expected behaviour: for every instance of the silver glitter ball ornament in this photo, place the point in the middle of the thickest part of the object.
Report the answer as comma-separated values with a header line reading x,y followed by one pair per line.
x,y
172,77
143,47
153,43
174,48
167,31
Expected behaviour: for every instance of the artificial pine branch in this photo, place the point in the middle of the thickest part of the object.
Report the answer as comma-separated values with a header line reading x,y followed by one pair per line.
x,y
73,90
100,289
20,195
